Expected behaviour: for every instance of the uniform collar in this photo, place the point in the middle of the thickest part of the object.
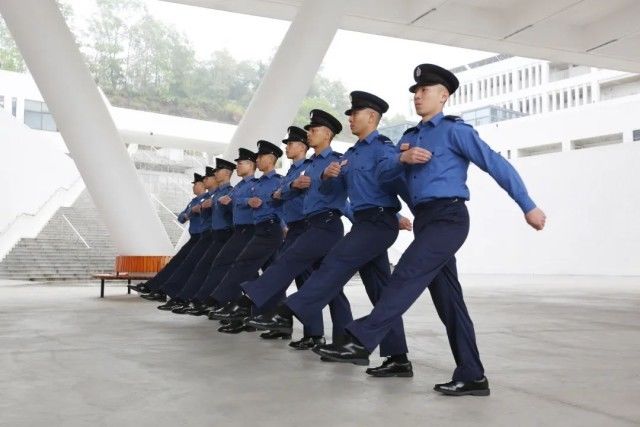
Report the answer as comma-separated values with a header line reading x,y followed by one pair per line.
x,y
369,138
248,178
269,174
325,153
432,122
299,162
224,185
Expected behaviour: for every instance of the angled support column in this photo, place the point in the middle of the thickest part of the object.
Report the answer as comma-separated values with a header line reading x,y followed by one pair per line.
x,y
290,75
86,126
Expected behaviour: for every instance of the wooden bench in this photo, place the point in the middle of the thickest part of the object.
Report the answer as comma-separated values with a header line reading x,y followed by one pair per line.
x,y
130,268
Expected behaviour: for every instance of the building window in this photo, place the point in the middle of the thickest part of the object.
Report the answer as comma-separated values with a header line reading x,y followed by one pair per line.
x,y
1,102
14,106
636,135
596,141
37,116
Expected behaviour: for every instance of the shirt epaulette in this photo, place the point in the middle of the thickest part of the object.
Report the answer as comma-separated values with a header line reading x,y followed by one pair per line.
x,y
384,139
410,130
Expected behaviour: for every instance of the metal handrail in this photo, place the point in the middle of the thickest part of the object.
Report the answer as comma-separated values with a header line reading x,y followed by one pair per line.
x,y
168,210
37,211
76,231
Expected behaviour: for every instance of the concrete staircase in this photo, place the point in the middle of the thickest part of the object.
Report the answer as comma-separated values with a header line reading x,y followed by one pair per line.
x,y
61,253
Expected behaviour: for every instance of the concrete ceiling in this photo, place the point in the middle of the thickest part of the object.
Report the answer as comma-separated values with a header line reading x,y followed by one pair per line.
x,y
604,34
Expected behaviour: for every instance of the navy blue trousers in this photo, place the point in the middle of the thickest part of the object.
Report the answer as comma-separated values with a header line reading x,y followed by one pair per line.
x,y
323,231
364,248
440,229
266,240
179,277
156,282
199,274
242,234
294,230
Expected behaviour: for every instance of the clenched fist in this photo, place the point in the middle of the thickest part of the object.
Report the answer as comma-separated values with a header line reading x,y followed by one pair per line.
x,y
536,218
224,200
301,182
333,170
255,202
415,156
405,223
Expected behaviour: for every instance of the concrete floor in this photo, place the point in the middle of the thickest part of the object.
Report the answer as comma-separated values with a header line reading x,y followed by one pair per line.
x,y
558,351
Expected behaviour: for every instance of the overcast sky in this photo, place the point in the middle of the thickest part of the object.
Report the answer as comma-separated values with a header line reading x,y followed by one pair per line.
x,y
381,65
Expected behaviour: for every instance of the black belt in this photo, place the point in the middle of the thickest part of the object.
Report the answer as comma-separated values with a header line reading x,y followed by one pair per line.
x,y
325,215
298,223
267,222
367,213
436,202
223,230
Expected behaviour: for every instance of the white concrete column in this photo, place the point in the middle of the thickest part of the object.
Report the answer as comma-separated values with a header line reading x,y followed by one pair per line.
x,y
595,91
53,58
539,73
290,74
544,73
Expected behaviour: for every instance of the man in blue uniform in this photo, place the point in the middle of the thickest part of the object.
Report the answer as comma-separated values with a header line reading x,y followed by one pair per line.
x,y
173,285
267,238
221,224
243,228
296,151
159,292
434,157
322,213
364,248
194,232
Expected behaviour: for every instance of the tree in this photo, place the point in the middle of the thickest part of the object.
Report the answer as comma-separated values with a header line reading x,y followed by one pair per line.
x,y
10,57
142,63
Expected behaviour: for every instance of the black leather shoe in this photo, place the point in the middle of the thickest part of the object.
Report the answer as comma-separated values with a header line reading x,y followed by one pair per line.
x,y
348,352
307,343
271,335
465,388
155,296
235,312
236,327
199,310
171,304
141,288
390,368
276,324
324,359
216,311
183,309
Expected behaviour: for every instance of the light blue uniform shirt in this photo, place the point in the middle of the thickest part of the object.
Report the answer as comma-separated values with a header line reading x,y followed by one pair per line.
x,y
359,175
195,220
222,216
263,188
292,200
320,196
453,144
242,212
